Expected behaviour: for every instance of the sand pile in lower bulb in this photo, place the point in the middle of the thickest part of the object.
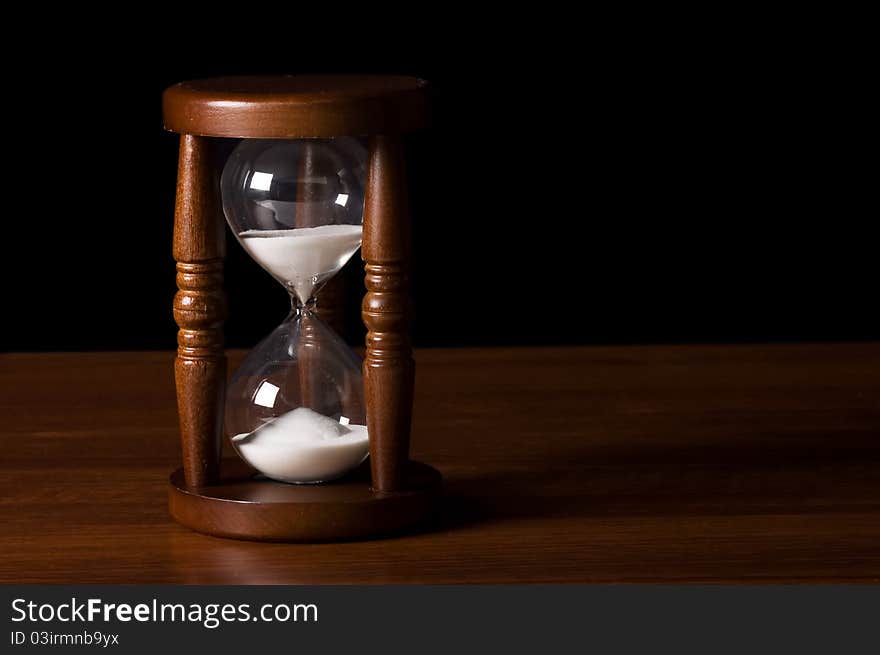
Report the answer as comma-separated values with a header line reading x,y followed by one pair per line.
x,y
304,446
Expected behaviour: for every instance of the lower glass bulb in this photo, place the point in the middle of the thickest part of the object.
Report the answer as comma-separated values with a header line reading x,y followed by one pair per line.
x,y
295,407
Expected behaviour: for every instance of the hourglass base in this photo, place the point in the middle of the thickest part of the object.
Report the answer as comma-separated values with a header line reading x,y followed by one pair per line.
x,y
244,507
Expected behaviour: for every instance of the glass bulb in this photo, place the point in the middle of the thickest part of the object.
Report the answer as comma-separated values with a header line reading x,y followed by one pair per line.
x,y
297,206
295,407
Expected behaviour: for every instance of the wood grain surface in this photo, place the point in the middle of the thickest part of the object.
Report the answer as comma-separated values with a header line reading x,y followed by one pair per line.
x,y
682,464
296,106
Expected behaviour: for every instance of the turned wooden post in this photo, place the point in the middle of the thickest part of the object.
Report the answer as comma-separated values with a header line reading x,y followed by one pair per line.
x,y
331,300
389,370
330,306
199,310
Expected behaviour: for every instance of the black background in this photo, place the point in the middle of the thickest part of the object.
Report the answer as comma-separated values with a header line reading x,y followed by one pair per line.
x,y
583,182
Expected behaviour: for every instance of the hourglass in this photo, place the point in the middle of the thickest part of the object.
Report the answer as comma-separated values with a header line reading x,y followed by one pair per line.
x,y
317,173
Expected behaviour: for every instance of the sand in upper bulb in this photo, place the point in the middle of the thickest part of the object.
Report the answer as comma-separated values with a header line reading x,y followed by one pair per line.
x,y
303,258
303,446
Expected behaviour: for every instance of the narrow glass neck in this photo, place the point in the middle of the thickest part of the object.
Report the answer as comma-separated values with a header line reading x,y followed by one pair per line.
x,y
296,306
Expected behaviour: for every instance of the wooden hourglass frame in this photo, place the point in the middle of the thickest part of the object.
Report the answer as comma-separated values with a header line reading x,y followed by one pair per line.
x,y
224,498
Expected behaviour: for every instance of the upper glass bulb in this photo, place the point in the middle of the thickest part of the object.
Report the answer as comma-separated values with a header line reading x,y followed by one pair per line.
x,y
297,207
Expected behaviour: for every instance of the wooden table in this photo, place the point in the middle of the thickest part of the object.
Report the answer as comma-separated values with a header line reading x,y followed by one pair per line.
x,y
745,463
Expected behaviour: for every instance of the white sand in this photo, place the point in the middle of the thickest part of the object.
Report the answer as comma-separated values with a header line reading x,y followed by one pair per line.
x,y
304,257
304,446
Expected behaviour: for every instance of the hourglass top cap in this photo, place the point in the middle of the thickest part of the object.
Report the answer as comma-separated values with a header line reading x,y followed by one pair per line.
x,y
296,106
